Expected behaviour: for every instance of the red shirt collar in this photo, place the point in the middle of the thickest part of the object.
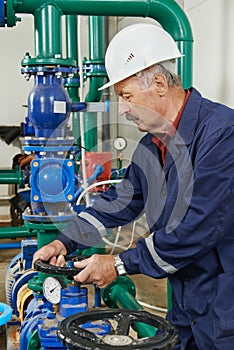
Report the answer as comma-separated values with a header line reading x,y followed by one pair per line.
x,y
164,142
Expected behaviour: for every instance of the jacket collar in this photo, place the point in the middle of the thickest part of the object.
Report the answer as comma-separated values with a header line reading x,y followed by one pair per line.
x,y
189,119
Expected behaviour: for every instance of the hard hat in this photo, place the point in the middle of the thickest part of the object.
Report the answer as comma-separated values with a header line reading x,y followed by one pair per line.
x,y
135,48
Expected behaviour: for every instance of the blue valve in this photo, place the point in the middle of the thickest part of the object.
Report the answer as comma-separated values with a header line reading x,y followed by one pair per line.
x,y
5,313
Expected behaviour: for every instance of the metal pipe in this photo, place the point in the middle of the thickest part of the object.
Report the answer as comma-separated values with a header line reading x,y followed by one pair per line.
x,y
10,245
96,57
71,37
167,12
121,294
15,232
9,176
47,22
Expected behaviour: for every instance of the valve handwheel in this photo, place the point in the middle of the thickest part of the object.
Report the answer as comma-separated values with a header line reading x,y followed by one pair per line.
x,y
73,336
67,271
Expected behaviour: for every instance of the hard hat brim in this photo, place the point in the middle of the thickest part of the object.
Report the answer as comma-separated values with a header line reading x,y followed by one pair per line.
x,y
111,83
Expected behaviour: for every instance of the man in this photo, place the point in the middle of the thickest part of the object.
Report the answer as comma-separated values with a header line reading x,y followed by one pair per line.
x,y
181,176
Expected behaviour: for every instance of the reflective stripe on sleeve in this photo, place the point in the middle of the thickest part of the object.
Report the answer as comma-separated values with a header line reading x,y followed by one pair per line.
x,y
161,263
95,222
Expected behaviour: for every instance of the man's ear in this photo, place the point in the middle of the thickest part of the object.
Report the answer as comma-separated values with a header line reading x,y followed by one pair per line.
x,y
160,83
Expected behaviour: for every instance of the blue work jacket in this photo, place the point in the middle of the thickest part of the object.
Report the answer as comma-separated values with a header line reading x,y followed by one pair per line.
x,y
189,207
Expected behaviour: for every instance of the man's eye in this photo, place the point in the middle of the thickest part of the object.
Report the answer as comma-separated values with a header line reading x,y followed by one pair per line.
x,y
126,97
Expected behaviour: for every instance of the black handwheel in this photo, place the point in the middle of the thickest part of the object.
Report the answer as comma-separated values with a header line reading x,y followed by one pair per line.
x,y
67,271
73,336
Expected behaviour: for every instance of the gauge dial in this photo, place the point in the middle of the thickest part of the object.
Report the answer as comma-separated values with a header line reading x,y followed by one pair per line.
x,y
52,289
120,143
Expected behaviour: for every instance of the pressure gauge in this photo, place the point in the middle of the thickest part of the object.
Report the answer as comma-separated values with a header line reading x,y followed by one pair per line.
x,y
120,143
52,289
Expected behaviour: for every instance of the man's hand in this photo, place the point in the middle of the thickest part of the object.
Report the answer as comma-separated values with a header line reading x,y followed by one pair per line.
x,y
53,252
98,269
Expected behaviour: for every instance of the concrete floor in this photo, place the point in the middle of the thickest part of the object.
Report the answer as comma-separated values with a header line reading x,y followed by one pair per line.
x,y
149,291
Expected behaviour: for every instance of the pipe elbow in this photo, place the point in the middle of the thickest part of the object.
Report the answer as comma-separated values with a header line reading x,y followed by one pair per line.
x,y
173,19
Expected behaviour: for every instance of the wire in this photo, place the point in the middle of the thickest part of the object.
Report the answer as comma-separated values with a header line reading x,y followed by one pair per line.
x,y
115,245
105,240
116,240
100,183
152,307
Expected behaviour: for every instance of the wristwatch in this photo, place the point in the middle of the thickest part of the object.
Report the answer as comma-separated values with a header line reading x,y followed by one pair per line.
x,y
119,266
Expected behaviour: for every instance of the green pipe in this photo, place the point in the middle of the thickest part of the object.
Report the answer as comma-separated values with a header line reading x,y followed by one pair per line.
x,y
121,294
15,232
12,177
47,22
46,233
167,12
96,56
72,84
71,37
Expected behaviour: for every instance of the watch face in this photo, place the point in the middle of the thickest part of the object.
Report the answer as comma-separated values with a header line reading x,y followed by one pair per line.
x,y
120,143
52,289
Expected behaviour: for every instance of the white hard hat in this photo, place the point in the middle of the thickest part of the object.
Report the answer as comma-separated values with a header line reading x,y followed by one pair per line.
x,y
135,48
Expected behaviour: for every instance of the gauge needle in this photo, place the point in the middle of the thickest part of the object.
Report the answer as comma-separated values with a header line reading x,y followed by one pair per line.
x,y
53,289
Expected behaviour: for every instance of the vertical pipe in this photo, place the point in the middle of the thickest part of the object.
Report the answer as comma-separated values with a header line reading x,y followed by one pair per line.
x,y
96,55
106,95
48,41
185,65
73,84
72,53
71,36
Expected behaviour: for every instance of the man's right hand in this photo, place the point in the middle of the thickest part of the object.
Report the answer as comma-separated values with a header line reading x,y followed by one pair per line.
x,y
53,252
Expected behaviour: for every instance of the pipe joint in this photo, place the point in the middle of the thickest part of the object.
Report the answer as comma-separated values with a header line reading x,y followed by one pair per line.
x,y
94,68
46,5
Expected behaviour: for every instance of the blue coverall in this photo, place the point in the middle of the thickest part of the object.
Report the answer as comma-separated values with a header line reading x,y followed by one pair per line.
x,y
189,207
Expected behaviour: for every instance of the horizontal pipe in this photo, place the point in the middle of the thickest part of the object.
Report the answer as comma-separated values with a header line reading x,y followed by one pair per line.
x,y
10,245
167,12
14,232
11,177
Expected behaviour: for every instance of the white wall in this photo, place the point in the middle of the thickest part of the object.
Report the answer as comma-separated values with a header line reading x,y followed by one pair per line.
x,y
213,27
14,89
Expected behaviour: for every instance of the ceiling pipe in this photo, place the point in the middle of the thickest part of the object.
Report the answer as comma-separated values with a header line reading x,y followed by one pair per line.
x,y
167,12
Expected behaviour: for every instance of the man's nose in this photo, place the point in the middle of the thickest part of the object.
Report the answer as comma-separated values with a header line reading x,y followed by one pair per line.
x,y
123,106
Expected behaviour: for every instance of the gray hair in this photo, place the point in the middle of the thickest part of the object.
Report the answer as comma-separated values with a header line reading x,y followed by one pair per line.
x,y
146,76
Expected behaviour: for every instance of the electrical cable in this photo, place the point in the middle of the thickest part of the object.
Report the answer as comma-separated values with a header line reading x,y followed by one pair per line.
x,y
152,307
115,245
95,184
116,239
105,240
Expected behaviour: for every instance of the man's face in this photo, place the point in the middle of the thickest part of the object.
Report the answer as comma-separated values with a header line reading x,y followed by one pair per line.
x,y
143,107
